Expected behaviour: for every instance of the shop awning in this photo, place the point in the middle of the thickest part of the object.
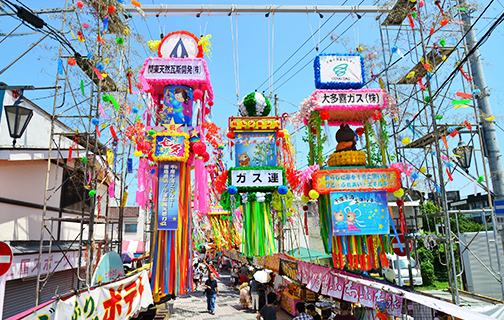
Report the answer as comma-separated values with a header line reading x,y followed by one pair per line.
x,y
305,256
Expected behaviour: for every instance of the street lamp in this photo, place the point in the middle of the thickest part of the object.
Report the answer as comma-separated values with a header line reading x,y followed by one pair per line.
x,y
464,154
17,119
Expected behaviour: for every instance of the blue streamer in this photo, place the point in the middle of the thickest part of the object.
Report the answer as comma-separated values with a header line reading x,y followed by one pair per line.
x,y
395,232
60,67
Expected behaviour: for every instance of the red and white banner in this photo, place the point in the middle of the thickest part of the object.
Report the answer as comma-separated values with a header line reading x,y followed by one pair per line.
x,y
116,300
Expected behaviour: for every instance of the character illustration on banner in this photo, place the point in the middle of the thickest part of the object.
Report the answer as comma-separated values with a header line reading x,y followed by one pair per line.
x,y
177,102
244,160
365,213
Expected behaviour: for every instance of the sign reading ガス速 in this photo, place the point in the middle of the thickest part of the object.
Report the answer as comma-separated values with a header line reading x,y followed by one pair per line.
x,y
329,180
257,178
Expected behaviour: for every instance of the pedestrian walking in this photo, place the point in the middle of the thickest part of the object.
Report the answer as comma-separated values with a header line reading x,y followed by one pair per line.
x,y
268,312
300,307
254,292
243,273
244,295
212,291
197,274
234,278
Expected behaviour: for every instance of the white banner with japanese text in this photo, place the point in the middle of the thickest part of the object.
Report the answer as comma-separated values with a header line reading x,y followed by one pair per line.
x,y
176,69
257,178
26,265
117,300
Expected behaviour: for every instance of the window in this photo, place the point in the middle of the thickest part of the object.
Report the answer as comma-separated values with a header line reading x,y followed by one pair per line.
x,y
404,263
130,228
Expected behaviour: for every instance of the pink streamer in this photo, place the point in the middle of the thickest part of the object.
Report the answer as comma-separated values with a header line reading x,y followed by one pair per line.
x,y
102,111
89,180
111,189
201,186
141,194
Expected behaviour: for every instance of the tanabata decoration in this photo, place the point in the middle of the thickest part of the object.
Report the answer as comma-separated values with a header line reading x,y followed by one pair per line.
x,y
223,229
352,191
258,178
179,84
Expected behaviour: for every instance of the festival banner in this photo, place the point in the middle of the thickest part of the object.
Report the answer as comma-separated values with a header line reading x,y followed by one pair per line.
x,y
394,304
289,268
372,179
352,291
255,149
171,146
359,213
326,281
336,287
272,263
367,296
156,68
363,98
168,199
116,300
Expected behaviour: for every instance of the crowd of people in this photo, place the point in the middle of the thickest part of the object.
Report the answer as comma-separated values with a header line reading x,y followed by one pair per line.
x,y
257,296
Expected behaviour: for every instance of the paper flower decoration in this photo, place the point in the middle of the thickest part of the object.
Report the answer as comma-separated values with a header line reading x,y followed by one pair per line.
x,y
153,45
255,104
205,44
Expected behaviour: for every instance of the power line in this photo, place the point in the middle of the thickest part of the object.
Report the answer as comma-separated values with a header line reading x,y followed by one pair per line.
x,y
297,50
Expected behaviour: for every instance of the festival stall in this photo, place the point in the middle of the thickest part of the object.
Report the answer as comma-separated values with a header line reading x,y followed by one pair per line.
x,y
349,190
178,85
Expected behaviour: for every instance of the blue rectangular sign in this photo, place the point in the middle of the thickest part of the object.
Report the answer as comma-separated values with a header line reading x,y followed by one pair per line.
x,y
359,213
499,206
168,195
256,149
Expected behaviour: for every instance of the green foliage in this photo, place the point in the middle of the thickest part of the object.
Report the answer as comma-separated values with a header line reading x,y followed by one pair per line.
x,y
315,156
376,155
428,274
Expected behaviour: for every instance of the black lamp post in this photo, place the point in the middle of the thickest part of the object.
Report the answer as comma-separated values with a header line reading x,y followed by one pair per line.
x,y
464,154
17,119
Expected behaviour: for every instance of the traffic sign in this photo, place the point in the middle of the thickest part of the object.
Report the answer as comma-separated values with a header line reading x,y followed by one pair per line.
x,y
5,258
499,206
397,249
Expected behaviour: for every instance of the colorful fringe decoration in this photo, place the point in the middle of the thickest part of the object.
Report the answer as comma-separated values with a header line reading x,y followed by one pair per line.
x,y
224,231
258,236
172,249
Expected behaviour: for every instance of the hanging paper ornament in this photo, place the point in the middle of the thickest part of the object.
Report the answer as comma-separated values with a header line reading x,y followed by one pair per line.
x,y
126,31
80,4
399,193
120,41
100,66
153,45
438,117
255,104
305,199
282,190
92,193
90,56
95,121
405,141
277,199
480,179
71,61
199,148
232,190
313,194
205,156
492,118
85,25
442,42
111,9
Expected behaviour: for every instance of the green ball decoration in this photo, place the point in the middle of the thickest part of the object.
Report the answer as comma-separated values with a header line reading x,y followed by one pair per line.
x,y
120,41
84,160
151,132
255,104
92,193
106,98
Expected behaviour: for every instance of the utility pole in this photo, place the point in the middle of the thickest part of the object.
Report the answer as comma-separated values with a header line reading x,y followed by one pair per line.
x,y
483,102
489,136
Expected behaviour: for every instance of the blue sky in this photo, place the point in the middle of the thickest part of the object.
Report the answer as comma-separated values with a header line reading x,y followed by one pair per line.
x,y
290,30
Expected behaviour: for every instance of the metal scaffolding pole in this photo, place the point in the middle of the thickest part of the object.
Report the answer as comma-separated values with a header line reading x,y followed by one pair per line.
x,y
233,8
